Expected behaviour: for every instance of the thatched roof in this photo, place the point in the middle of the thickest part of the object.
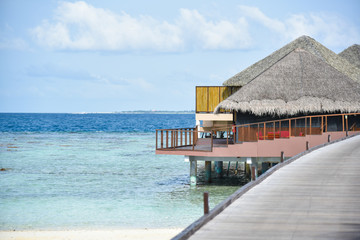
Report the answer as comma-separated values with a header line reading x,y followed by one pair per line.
x,y
304,42
299,82
352,55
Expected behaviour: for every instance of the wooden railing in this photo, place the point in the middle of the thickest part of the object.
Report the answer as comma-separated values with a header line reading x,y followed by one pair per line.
x,y
171,139
208,97
297,127
188,138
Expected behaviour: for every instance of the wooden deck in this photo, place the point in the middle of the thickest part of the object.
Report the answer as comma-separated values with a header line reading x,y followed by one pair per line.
x,y
317,196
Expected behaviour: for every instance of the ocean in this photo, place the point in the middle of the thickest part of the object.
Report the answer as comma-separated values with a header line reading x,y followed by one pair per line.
x,y
96,171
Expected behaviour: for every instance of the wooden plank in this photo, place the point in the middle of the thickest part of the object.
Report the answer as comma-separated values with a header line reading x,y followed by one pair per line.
x,y
201,99
213,98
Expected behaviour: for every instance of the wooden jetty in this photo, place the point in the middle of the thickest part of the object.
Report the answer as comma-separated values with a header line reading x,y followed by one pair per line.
x,y
315,196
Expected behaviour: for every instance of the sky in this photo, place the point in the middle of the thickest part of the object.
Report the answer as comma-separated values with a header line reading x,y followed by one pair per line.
x,y
116,55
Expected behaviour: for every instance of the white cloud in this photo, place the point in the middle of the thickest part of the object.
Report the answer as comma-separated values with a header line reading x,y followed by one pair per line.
x,y
13,43
256,14
214,35
329,29
80,26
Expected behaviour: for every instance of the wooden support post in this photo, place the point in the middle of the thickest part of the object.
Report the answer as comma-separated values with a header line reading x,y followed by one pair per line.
x,y
206,203
282,156
310,126
307,145
253,176
207,171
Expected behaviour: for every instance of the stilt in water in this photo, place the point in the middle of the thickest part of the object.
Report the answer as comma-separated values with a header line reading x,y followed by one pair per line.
x,y
193,172
227,174
207,171
219,168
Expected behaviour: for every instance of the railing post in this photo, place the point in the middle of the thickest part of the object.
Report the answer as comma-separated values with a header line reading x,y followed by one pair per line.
x,y
347,126
280,128
264,131
167,139
181,137
211,139
156,143
274,129
227,137
190,132
289,128
193,142
162,139
326,124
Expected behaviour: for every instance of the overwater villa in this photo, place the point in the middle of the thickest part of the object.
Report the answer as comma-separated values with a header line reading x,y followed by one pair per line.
x,y
301,96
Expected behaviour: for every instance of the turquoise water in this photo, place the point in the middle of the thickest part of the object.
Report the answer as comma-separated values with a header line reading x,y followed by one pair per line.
x,y
80,179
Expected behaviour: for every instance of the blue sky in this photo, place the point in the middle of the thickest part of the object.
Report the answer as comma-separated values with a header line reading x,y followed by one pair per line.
x,y
108,55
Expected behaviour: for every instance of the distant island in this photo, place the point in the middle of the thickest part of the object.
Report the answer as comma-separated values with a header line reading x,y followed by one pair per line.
x,y
141,112
156,112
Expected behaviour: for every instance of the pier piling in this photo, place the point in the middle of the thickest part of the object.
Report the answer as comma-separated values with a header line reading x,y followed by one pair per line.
x,y
206,203
207,171
193,172
219,168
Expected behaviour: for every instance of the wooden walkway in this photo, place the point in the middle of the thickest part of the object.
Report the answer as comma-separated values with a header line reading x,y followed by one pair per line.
x,y
315,197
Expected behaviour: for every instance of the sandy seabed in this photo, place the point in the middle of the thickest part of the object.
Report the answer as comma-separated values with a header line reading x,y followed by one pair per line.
x,y
126,234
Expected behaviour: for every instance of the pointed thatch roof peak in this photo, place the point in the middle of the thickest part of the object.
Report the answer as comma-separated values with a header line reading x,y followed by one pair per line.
x,y
299,82
352,55
303,42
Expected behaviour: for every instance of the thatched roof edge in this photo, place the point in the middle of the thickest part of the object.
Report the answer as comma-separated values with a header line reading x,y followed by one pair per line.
x,y
280,107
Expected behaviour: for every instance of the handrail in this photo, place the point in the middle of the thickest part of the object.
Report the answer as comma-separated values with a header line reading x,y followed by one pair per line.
x,y
182,139
296,118
187,138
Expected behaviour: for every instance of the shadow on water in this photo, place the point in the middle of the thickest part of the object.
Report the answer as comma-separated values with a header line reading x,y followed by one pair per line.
x,y
239,179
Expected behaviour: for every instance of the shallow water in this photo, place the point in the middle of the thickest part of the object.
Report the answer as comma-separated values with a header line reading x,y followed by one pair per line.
x,y
56,177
